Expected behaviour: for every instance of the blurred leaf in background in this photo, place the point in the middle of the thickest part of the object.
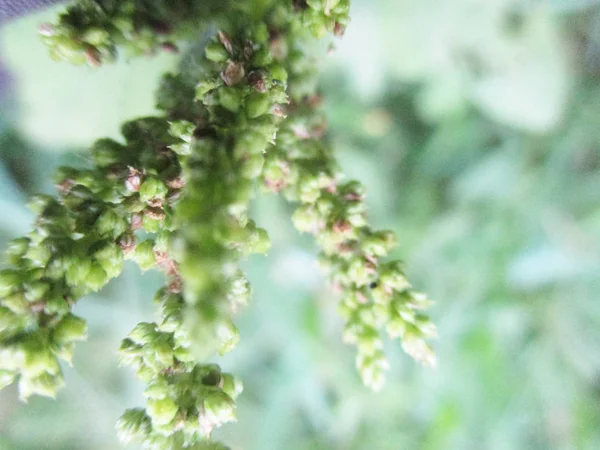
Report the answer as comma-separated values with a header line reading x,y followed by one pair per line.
x,y
474,126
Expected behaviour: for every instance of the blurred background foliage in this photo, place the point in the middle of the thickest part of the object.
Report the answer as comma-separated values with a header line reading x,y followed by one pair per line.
x,y
474,125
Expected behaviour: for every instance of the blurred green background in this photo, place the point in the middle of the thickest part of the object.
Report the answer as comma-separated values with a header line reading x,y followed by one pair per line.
x,y
474,125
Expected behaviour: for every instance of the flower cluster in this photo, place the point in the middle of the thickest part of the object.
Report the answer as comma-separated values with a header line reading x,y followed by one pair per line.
x,y
374,294
78,244
92,31
174,196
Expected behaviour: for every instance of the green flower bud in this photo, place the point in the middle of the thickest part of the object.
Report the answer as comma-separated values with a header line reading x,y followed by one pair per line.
x,y
96,36
229,98
393,277
231,385
130,351
111,224
418,300
16,303
163,351
216,52
182,129
143,333
158,390
44,384
56,304
250,143
70,328
39,359
415,346
181,148
371,368
218,407
379,243
36,290
134,425
152,188
306,219
257,104
425,326
96,277
239,290
259,241
151,225
184,354
262,58
203,87
17,248
362,272
252,167
77,271
9,281
161,411
310,189
110,257
278,72
228,335
9,321
39,254
64,352
144,255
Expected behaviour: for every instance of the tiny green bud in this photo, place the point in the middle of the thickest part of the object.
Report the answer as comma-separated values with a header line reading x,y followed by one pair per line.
x,y
96,277
306,219
218,407
216,52
152,188
144,255
162,411
143,333
111,224
278,72
45,384
39,360
232,386
257,104
17,249
182,129
229,98
203,87
9,281
110,257
259,241
70,328
134,425
157,390
78,271
163,351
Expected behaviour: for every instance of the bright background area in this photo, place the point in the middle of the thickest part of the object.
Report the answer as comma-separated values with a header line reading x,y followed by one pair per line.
x,y
474,125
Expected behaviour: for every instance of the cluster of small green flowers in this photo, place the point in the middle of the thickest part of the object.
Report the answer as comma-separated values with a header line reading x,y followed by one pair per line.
x,y
221,152
91,31
322,16
185,400
374,294
78,244
221,156
182,183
